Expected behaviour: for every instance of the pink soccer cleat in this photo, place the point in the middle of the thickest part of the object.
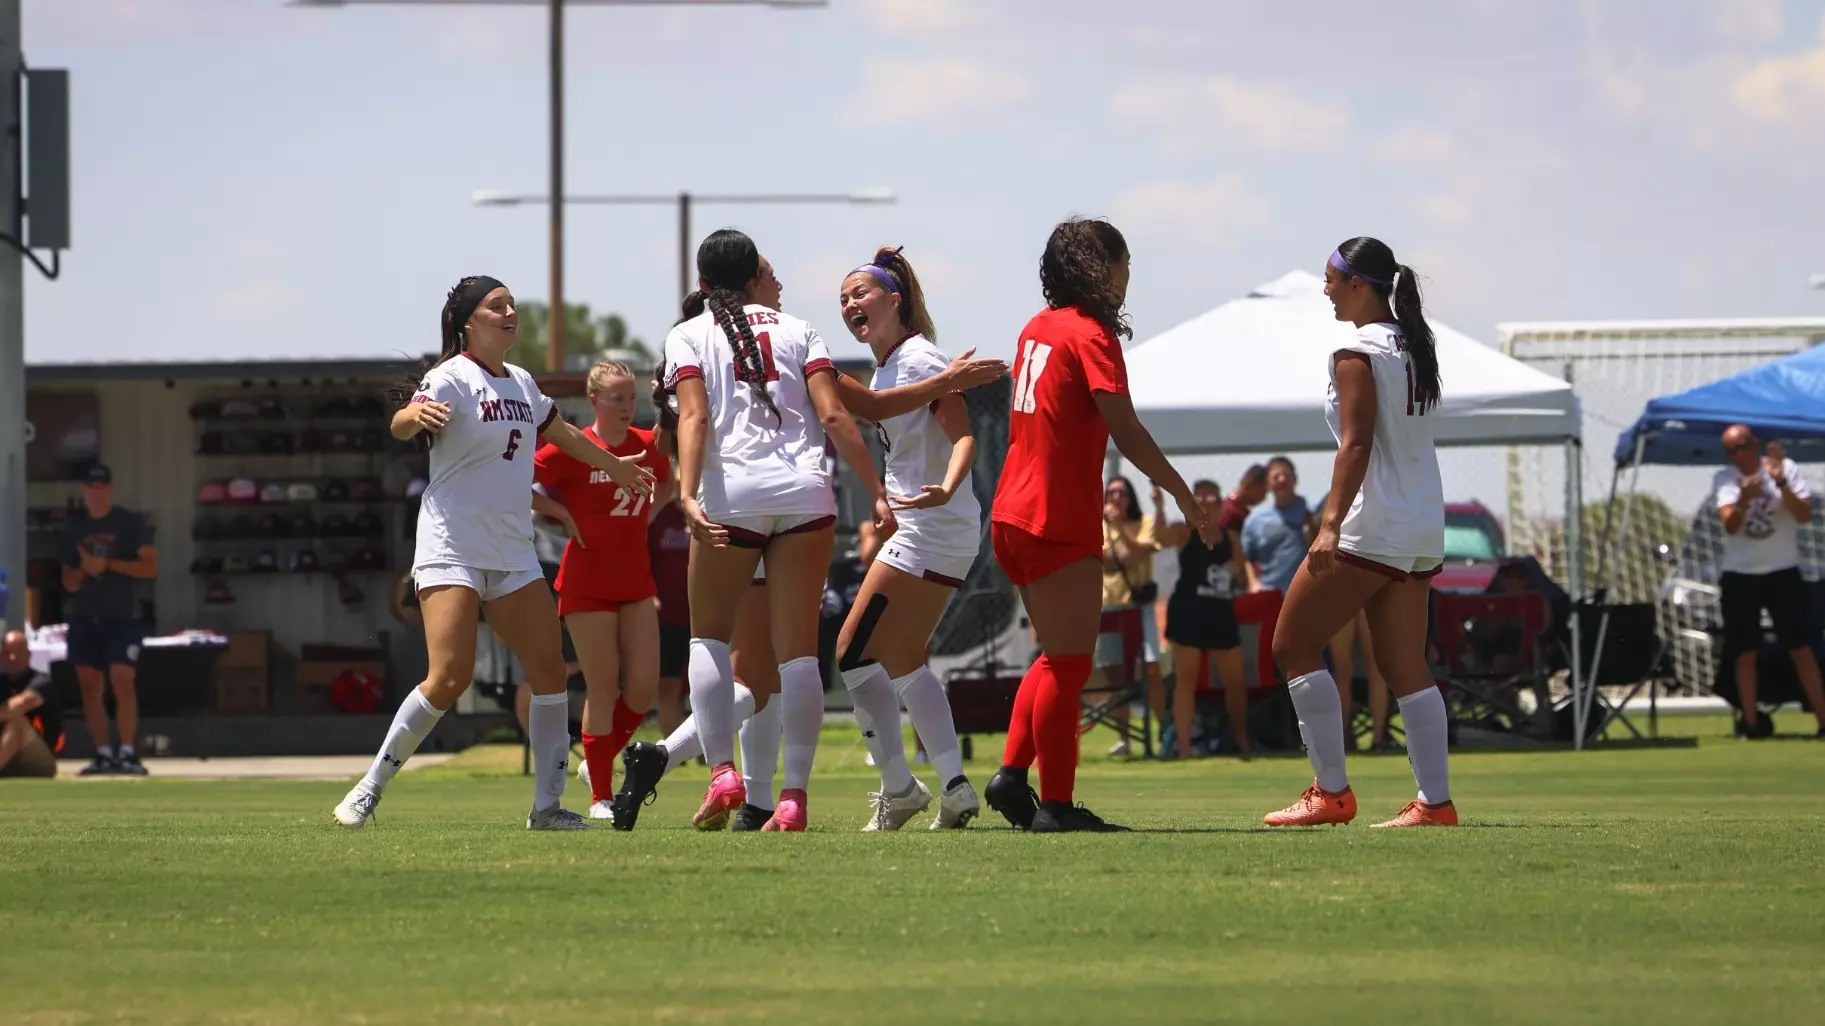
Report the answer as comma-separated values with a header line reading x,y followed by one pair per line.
x,y
790,815
726,794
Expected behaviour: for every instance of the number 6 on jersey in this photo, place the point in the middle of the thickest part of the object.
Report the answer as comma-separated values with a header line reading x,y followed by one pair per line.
x,y
1032,364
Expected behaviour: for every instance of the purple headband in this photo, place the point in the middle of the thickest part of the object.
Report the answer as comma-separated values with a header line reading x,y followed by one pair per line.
x,y
881,274
1343,267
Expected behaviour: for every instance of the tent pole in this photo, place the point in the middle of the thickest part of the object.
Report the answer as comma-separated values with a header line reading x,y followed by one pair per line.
x,y
1628,509
1574,579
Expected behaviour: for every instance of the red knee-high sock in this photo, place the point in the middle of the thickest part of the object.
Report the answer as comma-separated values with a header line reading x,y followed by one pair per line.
x,y
601,750
1020,751
626,722
1056,710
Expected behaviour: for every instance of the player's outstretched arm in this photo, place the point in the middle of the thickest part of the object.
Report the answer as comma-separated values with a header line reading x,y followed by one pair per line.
x,y
1134,441
963,373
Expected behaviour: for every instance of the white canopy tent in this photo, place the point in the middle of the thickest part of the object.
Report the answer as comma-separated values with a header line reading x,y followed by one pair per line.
x,y
1251,376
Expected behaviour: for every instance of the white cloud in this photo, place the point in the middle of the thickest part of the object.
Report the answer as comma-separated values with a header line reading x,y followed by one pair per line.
x,y
1414,146
1196,113
1788,91
257,300
1216,213
900,90
927,18
1444,209
1751,21
263,250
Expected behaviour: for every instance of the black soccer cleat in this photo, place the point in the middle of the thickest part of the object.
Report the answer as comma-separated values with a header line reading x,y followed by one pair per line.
x,y
100,766
643,764
1065,818
1009,794
749,817
128,764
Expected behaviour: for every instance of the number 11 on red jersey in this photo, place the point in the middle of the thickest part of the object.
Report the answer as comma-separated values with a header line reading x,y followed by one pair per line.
x,y
1032,364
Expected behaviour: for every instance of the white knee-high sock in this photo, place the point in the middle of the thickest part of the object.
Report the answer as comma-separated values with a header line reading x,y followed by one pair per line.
x,y
684,744
877,712
415,719
548,727
930,710
760,752
1422,715
801,700
712,680
1321,725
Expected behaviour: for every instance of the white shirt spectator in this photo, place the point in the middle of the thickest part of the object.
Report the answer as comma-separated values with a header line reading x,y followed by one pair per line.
x,y
1770,538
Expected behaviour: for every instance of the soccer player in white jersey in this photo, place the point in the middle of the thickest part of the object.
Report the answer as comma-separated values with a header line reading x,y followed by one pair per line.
x,y
752,479
883,645
484,418
1380,540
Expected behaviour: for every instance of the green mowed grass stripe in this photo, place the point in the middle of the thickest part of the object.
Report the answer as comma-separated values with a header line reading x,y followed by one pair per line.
x,y
1675,885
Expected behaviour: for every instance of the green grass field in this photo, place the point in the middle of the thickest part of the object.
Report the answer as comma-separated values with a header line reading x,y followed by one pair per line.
x,y
1652,886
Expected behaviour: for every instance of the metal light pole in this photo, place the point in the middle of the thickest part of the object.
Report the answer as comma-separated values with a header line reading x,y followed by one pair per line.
x,y
554,350
685,201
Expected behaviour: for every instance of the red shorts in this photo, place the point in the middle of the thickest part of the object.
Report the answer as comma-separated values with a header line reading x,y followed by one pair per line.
x,y
571,602
1027,557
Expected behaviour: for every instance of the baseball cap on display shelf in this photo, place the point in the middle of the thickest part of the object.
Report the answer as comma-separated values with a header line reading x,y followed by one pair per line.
x,y
300,491
272,491
268,526
243,489
367,523
367,557
336,491
217,594
302,526
234,565
364,489
238,527
310,440
336,525
206,527
276,442
240,409
201,565
304,561
210,493
267,561
208,409
211,443
271,409
341,441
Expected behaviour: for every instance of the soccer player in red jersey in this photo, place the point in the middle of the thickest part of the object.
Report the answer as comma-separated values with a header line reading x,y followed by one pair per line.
x,y
605,581
1070,399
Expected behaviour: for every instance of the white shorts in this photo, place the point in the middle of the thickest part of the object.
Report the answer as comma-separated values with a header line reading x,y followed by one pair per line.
x,y
488,584
755,532
946,570
1399,568
760,570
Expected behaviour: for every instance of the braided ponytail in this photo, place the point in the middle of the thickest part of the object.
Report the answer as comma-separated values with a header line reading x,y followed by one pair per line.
x,y
726,305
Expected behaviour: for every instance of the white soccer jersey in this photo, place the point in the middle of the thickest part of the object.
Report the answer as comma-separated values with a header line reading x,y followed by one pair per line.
x,y
477,509
1400,510
1770,536
918,453
753,464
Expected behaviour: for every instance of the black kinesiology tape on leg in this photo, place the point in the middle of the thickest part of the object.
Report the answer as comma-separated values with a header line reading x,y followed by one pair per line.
x,y
858,643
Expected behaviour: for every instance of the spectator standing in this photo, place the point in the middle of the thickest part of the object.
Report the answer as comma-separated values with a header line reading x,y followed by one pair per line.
x,y
31,720
1130,539
1201,618
1250,492
1762,501
1275,535
105,549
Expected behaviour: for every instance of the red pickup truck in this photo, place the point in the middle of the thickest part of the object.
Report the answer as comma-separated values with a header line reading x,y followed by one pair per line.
x,y
1474,544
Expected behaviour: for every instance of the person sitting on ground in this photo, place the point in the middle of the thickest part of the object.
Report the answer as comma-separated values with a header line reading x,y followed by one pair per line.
x,y
31,723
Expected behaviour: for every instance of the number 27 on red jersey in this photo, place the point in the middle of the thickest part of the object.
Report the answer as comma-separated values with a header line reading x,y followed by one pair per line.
x,y
1034,356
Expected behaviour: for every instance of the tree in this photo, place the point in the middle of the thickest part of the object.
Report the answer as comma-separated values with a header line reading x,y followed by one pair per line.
x,y
585,334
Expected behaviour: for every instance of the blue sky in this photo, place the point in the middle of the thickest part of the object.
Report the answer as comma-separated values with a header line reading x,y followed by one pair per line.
x,y
258,181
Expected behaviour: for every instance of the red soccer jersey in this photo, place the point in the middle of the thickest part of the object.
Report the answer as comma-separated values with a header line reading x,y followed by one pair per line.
x,y
615,566
669,541
1052,483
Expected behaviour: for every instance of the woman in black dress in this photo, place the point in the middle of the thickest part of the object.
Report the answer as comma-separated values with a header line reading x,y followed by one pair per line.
x,y
1201,619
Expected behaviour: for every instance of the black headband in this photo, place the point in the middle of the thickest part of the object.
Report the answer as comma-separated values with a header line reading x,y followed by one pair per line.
x,y
469,298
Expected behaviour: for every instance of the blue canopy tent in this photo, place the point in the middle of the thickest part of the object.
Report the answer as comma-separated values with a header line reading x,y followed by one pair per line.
x,y
1782,400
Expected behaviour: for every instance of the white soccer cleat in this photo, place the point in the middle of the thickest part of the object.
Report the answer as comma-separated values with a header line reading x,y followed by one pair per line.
x,y
555,818
357,808
892,811
958,806
604,809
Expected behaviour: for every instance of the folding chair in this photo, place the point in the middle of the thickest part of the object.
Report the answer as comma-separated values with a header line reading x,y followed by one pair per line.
x,y
1130,685
1632,657
1256,614
1489,646
981,703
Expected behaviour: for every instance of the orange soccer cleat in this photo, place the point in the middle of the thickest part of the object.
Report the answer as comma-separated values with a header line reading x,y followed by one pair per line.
x,y
1419,814
1316,807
